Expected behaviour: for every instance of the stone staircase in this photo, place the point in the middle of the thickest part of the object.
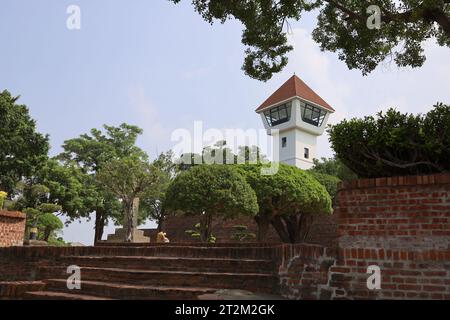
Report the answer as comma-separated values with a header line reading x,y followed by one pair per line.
x,y
152,271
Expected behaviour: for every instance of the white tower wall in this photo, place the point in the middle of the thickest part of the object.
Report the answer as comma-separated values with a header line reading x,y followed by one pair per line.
x,y
298,134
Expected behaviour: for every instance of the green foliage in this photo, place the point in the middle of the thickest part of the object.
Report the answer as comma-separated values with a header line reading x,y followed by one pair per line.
x,y
88,154
285,198
23,150
220,153
329,182
394,144
42,216
153,199
211,190
333,167
128,179
289,191
241,233
196,234
48,224
341,27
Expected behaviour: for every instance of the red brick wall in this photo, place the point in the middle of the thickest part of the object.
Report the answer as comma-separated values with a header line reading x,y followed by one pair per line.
x,y
12,228
401,224
398,212
323,230
304,271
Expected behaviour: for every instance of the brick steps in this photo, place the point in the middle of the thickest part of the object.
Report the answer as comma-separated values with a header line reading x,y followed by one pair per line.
x,y
129,291
172,263
50,295
260,282
146,271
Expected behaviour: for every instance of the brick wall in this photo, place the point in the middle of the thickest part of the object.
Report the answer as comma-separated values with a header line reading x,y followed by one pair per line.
x,y
397,212
401,224
12,228
323,230
304,271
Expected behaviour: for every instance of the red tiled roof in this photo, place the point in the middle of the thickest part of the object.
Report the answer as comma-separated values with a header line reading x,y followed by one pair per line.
x,y
294,87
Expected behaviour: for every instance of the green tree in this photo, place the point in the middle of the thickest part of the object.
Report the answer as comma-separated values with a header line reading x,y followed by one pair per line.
x,y
333,167
328,181
128,179
209,191
393,144
48,224
341,27
90,153
22,149
220,153
287,200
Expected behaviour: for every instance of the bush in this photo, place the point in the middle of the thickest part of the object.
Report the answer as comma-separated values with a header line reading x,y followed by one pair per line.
x,y
393,144
211,190
328,181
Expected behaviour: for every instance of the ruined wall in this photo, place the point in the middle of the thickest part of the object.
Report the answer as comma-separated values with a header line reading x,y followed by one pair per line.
x,y
323,230
12,228
401,224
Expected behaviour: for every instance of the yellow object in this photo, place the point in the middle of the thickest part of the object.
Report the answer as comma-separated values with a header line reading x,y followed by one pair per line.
x,y
33,230
161,238
3,196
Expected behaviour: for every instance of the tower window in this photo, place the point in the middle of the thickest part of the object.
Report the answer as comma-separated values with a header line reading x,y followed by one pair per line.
x,y
313,115
278,115
283,142
306,153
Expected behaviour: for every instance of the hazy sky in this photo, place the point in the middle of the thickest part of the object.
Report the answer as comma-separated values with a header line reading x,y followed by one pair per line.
x,y
161,67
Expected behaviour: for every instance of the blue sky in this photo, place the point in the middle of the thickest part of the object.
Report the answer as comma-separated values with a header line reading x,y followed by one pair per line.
x,y
160,66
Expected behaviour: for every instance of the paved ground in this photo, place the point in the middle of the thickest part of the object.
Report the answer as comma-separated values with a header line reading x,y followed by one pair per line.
x,y
238,295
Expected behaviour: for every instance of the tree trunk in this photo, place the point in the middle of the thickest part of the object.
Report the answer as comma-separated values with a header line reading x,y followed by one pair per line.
x,y
205,227
131,213
99,224
281,229
263,223
293,228
160,223
47,234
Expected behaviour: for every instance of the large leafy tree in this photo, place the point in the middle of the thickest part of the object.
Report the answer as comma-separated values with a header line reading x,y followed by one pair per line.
x,y
287,200
341,27
128,179
90,153
153,199
333,167
393,143
220,153
23,150
208,191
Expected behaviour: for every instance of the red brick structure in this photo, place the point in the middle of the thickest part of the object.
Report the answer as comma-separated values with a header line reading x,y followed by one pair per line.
x,y
12,228
401,224
323,230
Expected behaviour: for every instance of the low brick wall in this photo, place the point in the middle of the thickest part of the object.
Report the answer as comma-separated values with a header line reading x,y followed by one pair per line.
x,y
12,228
400,224
323,230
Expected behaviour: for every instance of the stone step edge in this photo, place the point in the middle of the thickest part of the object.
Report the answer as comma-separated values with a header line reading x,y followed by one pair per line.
x,y
167,258
61,296
134,286
174,272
